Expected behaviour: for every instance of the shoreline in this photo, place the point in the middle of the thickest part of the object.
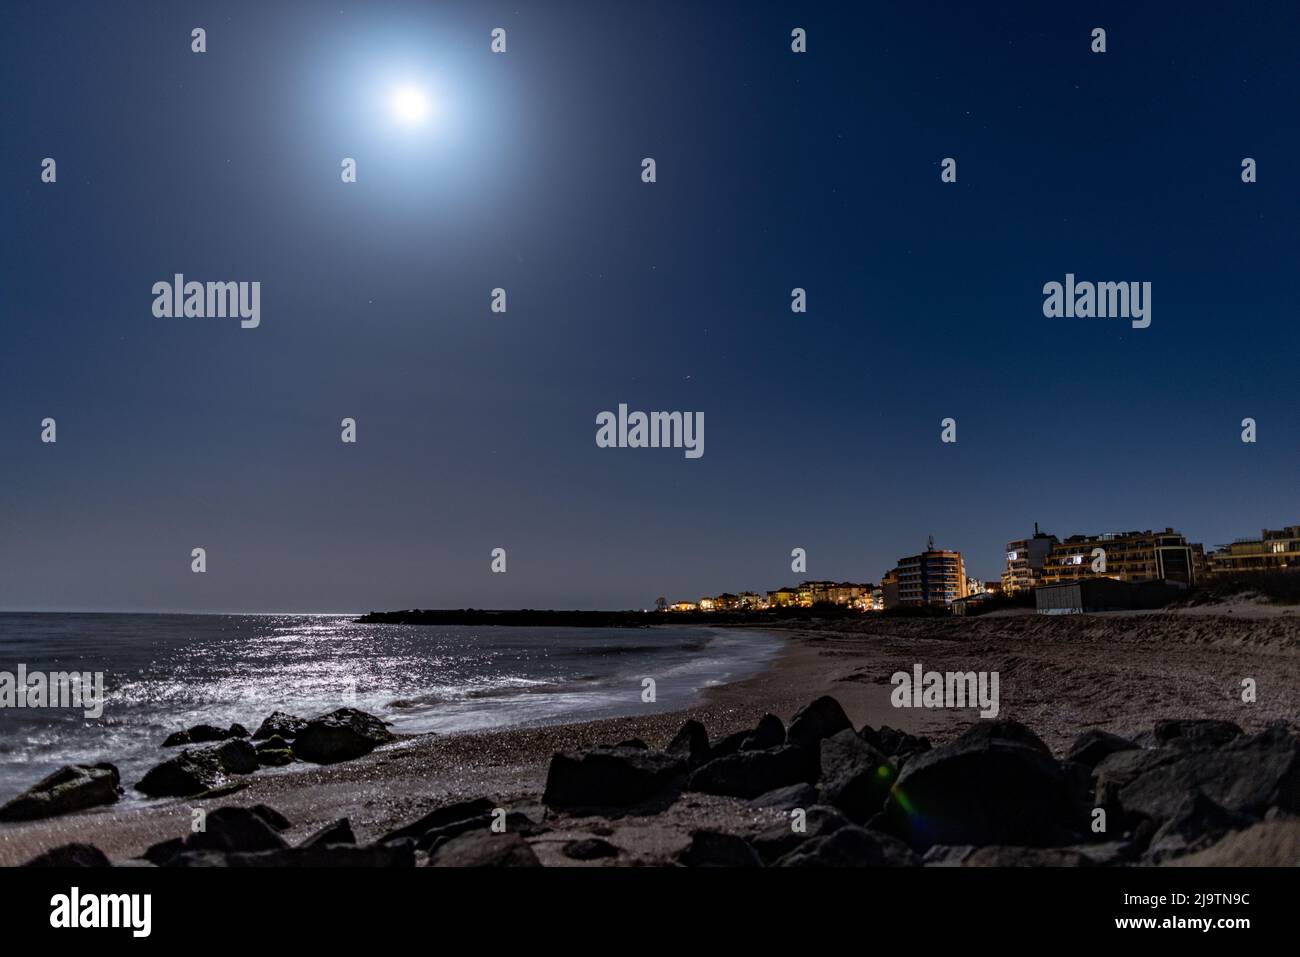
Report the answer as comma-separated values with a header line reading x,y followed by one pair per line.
x,y
420,772
1060,677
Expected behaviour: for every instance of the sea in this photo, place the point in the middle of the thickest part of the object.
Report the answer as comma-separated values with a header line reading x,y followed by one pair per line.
x,y
166,672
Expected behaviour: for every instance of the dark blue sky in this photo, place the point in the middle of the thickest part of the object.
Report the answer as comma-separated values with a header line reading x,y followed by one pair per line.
x,y
775,170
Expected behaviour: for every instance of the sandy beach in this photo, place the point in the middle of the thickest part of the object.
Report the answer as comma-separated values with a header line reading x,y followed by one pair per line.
x,y
1059,676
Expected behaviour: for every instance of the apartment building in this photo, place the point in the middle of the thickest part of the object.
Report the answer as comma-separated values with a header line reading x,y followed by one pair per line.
x,y
1129,557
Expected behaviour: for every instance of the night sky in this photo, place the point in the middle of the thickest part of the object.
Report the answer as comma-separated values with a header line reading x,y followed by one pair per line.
x,y
477,430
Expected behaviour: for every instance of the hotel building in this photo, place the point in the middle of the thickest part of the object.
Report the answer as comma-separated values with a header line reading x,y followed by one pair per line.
x,y
934,577
1274,550
1130,557
1025,560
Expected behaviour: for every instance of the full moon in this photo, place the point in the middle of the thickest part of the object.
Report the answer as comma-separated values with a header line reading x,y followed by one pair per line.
x,y
410,105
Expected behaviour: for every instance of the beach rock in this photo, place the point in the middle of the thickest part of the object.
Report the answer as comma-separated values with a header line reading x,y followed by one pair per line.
x,y
394,854
691,743
340,832
1079,781
71,855
610,777
636,743
770,733
232,829
525,823
1195,733
778,840
1197,823
204,734
1005,730
191,773
1004,856
1270,843
195,771
747,774
984,788
1120,768
856,778
341,735
896,744
788,798
1108,853
1094,745
279,723
484,849
237,756
1247,776
74,787
434,835
274,752
729,745
477,810
717,849
813,722
272,817
851,846
162,852
274,757
589,849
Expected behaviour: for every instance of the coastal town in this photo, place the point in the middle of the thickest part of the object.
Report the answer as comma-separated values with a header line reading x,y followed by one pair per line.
x,y
1078,573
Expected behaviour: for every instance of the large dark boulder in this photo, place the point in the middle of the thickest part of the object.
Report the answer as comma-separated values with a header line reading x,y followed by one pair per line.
x,y
747,774
820,719
589,849
850,846
770,733
338,832
610,777
788,798
1094,745
1195,733
1196,823
780,839
718,849
1005,730
71,855
856,778
74,787
729,745
984,788
1247,776
235,829
484,849
279,723
196,770
477,810
691,743
898,745
340,736
1120,768
271,816
237,756
204,734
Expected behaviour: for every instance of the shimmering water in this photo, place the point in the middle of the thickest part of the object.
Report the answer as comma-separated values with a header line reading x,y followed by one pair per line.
x,y
166,672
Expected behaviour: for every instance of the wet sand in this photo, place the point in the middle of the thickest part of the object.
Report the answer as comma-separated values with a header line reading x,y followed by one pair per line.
x,y
1060,676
